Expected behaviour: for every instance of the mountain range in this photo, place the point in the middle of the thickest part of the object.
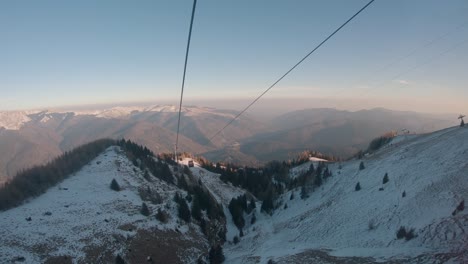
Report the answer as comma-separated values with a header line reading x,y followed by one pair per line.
x,y
30,138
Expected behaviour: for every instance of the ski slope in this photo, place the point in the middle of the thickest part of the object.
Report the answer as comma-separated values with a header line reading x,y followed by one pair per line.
x,y
432,170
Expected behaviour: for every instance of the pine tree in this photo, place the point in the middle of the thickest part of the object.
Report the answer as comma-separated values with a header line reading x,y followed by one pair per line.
x,y
144,210
462,123
403,194
385,179
216,254
115,185
292,196
311,168
254,219
318,180
361,165
183,209
358,187
196,209
304,193
119,260
161,216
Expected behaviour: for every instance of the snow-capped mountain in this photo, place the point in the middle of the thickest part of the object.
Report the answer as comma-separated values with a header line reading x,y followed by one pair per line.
x,y
15,120
48,133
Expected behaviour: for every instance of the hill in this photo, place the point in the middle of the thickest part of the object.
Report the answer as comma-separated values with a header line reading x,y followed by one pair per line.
x,y
334,132
338,224
87,218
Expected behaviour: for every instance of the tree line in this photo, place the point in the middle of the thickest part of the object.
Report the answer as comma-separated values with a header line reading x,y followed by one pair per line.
x,y
37,180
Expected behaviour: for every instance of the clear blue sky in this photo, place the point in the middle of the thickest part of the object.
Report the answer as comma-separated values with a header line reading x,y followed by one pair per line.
x,y
55,53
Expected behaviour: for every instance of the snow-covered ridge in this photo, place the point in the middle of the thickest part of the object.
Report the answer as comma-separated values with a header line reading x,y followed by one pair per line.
x,y
14,120
427,180
82,213
123,112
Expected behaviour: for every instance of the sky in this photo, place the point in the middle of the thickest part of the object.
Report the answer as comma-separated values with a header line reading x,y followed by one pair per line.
x,y
404,55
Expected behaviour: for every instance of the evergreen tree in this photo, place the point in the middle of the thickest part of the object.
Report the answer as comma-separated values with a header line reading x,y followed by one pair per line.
x,y
254,219
403,194
267,205
292,196
252,205
119,260
385,179
358,187
216,255
183,209
196,209
361,165
311,168
144,210
304,193
115,185
462,123
318,180
161,216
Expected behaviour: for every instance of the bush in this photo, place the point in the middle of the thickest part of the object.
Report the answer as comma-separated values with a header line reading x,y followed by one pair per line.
x,y
144,210
385,179
358,187
115,185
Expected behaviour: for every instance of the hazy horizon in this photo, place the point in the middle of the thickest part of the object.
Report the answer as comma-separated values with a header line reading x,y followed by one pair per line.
x,y
399,55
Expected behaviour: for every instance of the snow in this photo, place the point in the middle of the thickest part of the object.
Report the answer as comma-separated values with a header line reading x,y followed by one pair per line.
x,y
124,112
303,168
223,193
430,168
13,120
84,211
